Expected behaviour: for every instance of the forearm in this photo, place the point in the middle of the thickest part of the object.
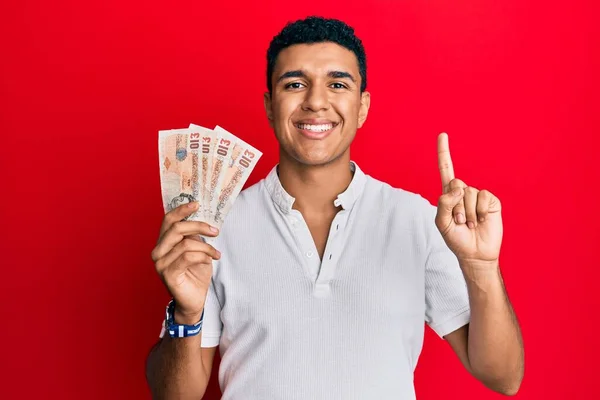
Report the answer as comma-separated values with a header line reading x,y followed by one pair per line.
x,y
495,347
175,370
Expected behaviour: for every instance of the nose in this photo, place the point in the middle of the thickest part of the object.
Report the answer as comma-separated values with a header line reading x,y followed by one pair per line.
x,y
316,99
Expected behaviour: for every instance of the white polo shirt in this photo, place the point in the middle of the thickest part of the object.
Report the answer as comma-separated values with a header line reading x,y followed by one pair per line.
x,y
350,326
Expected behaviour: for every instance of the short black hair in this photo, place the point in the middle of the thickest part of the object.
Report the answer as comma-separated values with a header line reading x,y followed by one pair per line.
x,y
315,29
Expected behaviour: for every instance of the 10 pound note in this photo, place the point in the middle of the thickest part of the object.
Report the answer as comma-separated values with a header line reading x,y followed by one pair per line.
x,y
179,158
243,160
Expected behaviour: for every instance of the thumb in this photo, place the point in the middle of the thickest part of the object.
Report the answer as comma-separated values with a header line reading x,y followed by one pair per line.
x,y
446,204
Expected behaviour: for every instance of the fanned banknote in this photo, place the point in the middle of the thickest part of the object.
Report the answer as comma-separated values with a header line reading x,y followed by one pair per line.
x,y
243,160
208,146
204,165
224,143
178,151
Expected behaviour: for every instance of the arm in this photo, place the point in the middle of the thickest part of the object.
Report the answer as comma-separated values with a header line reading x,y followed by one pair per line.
x,y
470,222
490,346
179,368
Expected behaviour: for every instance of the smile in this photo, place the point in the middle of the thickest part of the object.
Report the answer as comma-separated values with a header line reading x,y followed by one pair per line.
x,y
316,131
316,128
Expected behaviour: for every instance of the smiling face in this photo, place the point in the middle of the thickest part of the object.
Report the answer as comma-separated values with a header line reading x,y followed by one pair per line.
x,y
316,105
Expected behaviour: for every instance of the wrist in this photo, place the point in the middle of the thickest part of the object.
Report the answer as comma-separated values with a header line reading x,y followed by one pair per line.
x,y
480,264
476,270
182,324
186,318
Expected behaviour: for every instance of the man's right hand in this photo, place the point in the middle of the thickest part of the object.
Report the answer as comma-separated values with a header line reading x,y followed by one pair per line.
x,y
184,261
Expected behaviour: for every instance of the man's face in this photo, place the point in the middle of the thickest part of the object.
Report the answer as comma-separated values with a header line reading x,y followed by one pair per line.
x,y
316,106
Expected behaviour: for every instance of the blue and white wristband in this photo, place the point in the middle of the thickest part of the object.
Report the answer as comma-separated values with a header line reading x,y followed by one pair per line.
x,y
180,330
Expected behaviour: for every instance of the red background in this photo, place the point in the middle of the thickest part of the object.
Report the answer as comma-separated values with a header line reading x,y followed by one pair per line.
x,y
85,86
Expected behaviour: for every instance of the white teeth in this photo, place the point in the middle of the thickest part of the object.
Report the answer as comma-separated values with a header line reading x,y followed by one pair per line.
x,y
316,128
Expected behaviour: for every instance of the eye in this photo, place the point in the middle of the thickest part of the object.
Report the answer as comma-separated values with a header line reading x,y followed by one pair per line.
x,y
338,85
294,85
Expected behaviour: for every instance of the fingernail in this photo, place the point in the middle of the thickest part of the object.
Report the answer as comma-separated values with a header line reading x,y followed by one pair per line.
x,y
192,205
456,191
470,224
213,229
481,219
218,253
461,218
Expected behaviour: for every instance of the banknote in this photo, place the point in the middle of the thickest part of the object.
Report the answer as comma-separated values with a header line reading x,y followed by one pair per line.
x,y
209,166
208,146
179,162
243,160
221,157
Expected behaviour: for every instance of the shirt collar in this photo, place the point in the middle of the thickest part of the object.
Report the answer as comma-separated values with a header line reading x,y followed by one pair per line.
x,y
346,199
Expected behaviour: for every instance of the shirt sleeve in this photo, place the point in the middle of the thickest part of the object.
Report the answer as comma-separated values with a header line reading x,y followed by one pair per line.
x,y
211,323
446,297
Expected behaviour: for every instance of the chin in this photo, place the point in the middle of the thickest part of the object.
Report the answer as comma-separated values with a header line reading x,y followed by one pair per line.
x,y
312,153
314,162
316,159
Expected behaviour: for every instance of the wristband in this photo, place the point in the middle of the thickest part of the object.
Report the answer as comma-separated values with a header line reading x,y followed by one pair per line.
x,y
180,330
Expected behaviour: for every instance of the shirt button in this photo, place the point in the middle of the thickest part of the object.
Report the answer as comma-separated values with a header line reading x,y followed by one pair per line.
x,y
309,254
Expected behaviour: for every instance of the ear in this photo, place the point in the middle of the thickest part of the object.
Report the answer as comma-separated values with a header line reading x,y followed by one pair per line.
x,y
268,109
365,103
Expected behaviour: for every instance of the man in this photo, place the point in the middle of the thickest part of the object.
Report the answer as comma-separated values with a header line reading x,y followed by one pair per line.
x,y
326,276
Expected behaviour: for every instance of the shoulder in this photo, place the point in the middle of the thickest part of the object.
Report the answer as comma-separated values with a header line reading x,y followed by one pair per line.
x,y
405,214
396,199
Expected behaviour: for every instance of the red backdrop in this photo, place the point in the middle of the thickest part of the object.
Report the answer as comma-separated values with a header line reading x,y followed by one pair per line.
x,y
85,86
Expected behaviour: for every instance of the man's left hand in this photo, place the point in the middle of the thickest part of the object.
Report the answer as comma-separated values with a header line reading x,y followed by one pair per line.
x,y
470,222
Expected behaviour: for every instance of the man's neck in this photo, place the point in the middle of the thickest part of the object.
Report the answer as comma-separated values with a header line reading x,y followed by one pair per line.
x,y
315,187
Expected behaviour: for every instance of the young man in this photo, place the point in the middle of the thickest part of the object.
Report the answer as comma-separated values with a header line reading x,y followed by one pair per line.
x,y
326,276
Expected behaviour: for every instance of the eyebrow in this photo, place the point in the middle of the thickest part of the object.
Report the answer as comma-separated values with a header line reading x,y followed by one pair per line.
x,y
301,74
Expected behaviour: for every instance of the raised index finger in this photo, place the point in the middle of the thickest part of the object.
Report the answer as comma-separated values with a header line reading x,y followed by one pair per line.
x,y
445,162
